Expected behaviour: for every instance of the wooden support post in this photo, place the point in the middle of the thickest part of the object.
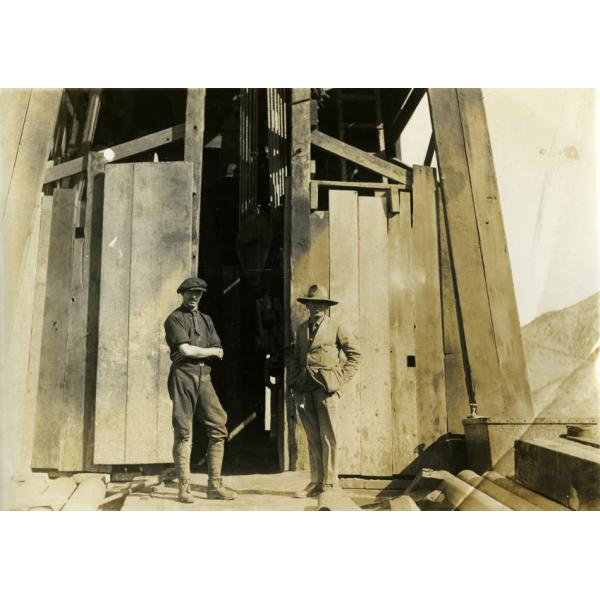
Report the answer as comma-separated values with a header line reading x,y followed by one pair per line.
x,y
473,303
298,205
193,150
494,252
402,117
91,276
50,414
486,300
430,151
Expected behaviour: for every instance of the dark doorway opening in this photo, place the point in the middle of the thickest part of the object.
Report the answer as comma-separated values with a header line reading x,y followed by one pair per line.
x,y
241,258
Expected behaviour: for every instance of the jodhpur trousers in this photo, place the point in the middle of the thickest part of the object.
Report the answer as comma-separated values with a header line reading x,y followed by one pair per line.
x,y
317,411
194,397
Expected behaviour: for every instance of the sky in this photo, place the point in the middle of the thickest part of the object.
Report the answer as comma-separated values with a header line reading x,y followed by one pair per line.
x,y
543,146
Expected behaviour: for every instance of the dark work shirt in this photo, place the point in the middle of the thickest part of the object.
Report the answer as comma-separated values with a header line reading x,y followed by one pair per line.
x,y
184,326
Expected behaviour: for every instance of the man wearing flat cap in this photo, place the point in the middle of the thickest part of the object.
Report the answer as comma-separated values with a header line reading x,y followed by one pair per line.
x,y
194,345
317,376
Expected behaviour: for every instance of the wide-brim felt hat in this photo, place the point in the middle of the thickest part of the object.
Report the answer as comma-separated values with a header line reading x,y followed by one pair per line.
x,y
192,283
316,293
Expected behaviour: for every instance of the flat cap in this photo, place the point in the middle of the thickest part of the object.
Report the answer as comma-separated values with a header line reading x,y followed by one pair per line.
x,y
192,283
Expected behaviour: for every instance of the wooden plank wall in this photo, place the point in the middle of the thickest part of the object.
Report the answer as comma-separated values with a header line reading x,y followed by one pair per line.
x,y
146,253
385,272
486,301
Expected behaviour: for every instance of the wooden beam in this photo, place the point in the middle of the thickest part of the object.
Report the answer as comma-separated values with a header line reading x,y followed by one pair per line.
x,y
193,149
360,157
49,423
360,185
430,151
480,347
147,142
404,115
297,278
494,252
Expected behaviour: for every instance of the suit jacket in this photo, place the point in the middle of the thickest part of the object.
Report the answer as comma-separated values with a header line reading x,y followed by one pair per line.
x,y
320,360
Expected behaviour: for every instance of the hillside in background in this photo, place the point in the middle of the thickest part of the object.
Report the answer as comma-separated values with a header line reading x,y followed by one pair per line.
x,y
562,351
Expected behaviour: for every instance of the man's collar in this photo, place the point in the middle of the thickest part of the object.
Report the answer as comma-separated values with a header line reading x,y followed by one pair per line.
x,y
184,308
317,321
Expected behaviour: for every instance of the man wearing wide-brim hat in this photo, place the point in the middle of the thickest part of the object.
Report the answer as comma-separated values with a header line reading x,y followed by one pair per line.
x,y
194,345
317,376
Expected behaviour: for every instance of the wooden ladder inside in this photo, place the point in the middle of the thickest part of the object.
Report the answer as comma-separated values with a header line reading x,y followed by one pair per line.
x,y
343,98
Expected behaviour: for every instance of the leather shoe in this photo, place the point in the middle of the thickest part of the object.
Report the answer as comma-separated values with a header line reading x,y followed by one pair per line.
x,y
310,491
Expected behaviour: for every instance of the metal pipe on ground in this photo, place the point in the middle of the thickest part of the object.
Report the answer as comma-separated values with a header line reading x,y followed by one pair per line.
x,y
170,473
534,498
504,496
461,495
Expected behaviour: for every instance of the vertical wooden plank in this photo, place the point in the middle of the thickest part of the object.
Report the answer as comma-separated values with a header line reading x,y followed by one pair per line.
x,y
193,152
92,268
175,241
376,417
144,318
113,334
298,205
402,337
480,345
494,252
51,382
429,350
318,256
344,287
457,395
37,324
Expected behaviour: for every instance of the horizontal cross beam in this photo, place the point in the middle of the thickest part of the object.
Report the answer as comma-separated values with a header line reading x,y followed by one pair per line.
x,y
360,157
143,144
